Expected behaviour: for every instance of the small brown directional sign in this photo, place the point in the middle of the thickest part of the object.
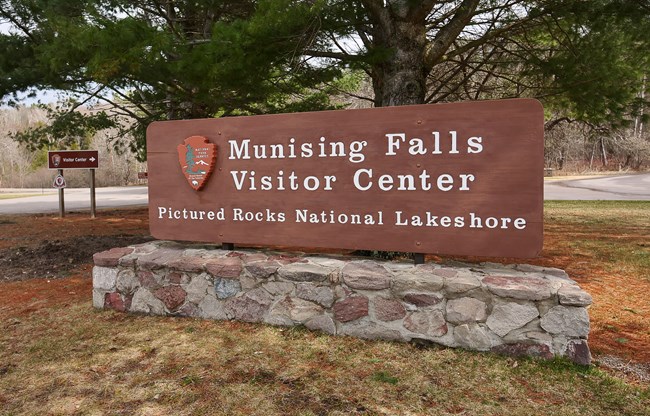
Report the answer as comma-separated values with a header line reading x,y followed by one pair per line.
x,y
73,159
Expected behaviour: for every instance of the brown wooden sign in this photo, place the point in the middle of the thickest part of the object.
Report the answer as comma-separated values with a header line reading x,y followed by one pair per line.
x,y
73,159
463,178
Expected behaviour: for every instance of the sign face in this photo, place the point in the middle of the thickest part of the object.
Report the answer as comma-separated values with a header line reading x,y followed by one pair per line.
x,y
72,159
462,178
59,182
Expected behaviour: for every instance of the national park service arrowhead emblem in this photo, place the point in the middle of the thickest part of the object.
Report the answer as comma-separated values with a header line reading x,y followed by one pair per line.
x,y
197,157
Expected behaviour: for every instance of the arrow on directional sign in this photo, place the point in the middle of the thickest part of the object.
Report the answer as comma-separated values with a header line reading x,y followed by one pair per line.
x,y
92,159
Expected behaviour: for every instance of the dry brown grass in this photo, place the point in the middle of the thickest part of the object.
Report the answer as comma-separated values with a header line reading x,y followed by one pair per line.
x,y
76,360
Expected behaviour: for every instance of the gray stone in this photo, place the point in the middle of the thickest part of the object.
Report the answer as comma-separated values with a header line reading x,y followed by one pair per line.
x,y
189,309
542,270
301,311
369,330
248,282
387,310
159,258
262,269
431,323
540,337
322,295
145,302
98,299
290,311
572,295
304,272
278,288
225,288
104,278
197,288
462,282
211,308
474,336
465,310
416,282
351,308
322,323
326,262
127,282
523,287
508,316
249,307
566,320
366,275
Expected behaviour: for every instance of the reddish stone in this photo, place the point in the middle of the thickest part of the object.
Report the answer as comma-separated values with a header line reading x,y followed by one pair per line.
x,y
235,254
114,301
254,257
388,309
225,268
578,352
171,296
422,299
159,258
351,308
448,273
187,264
111,258
250,307
175,278
521,349
147,280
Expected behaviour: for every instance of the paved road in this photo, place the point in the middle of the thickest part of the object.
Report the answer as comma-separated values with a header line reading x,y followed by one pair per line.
x,y
610,188
75,199
624,187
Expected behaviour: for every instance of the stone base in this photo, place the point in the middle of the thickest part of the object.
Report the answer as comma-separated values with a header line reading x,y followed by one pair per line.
x,y
518,310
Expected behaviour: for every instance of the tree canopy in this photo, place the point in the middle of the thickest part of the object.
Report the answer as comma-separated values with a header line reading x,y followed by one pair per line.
x,y
162,59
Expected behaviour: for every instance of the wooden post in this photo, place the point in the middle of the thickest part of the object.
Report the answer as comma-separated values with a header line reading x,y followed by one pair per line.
x,y
418,258
93,205
228,246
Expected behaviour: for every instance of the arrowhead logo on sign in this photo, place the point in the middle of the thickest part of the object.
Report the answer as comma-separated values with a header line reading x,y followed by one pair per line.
x,y
197,157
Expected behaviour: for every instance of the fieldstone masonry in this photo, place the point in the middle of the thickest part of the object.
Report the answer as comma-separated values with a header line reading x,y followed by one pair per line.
x,y
514,309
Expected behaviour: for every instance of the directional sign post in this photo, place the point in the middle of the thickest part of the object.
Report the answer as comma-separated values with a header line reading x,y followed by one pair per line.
x,y
74,159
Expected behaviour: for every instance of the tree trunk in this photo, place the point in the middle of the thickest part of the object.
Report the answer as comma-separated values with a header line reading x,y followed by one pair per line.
x,y
400,79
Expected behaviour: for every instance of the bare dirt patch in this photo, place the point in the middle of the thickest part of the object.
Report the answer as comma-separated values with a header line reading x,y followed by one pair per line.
x,y
56,258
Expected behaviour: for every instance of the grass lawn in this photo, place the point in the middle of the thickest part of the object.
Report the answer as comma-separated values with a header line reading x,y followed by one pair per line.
x,y
59,356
